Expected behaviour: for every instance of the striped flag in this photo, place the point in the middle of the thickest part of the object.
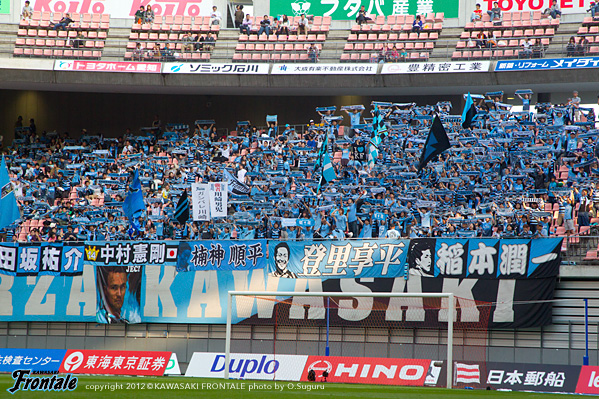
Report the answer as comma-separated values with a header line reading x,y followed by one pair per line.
x,y
182,210
467,373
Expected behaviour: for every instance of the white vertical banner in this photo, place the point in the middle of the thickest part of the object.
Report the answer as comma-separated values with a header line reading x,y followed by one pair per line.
x,y
218,200
200,200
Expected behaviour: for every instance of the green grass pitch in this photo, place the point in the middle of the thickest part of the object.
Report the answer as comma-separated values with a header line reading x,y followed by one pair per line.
x,y
163,388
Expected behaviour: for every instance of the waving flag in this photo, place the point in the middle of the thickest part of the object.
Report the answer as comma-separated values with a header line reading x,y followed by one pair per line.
x,y
436,143
378,130
469,112
134,203
182,210
10,209
234,185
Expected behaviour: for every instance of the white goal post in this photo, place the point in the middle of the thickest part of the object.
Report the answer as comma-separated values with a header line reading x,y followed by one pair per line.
x,y
287,294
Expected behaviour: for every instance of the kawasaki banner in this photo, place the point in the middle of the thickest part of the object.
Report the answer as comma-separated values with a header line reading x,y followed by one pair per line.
x,y
345,9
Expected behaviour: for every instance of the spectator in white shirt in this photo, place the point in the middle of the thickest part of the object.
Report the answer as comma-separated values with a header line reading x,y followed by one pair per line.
x,y
215,17
27,11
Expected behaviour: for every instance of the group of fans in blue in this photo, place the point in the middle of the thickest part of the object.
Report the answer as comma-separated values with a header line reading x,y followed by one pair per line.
x,y
352,173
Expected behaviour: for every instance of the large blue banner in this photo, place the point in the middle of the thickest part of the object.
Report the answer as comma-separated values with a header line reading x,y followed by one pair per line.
x,y
547,64
487,270
36,360
428,257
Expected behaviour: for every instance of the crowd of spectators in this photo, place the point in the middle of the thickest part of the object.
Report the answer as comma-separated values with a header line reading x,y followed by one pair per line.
x,y
530,173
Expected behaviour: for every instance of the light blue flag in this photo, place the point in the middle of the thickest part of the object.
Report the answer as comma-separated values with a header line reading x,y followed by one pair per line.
x,y
328,173
134,203
10,209
468,113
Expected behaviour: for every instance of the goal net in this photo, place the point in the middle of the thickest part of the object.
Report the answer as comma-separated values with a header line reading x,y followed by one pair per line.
x,y
360,337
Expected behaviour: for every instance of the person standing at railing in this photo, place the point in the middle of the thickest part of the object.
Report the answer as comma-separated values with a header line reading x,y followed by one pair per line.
x,y
239,16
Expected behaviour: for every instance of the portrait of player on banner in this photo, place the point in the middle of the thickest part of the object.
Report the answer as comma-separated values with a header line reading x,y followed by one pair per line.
x,y
421,257
118,291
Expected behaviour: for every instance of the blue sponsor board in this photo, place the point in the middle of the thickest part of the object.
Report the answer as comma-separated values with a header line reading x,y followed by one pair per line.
x,y
538,64
36,360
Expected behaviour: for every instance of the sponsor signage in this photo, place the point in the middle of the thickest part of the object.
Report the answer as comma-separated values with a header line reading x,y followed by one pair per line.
x,y
247,366
435,67
588,380
115,362
518,376
347,10
36,360
324,69
547,64
123,8
215,68
107,66
368,370
172,368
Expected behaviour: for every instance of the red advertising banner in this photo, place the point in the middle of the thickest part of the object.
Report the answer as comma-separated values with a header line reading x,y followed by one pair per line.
x,y
368,370
588,380
115,362
108,66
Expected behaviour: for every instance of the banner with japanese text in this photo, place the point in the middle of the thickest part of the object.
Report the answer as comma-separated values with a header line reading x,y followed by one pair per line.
x,y
514,376
31,259
218,200
188,282
459,258
200,201
348,10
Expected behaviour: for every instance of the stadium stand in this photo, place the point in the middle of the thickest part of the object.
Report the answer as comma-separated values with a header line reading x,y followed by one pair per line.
x,y
85,37
169,34
281,47
516,185
517,35
392,39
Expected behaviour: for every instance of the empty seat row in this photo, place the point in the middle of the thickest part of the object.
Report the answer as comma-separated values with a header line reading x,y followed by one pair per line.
x,y
512,33
56,53
373,37
296,57
486,54
502,43
241,47
395,27
57,43
507,24
378,46
60,34
588,30
130,55
283,38
362,57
